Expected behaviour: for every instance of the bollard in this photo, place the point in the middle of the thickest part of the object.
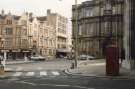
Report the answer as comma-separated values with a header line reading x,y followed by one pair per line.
x,y
72,66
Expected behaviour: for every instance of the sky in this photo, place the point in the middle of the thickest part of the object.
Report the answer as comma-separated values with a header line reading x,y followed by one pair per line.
x,y
38,7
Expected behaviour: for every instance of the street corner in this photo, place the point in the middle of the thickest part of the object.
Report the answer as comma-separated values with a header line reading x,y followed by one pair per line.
x,y
9,70
77,72
83,63
5,75
72,72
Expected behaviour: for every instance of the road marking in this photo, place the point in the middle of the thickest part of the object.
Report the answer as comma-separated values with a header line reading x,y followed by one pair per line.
x,y
17,74
30,74
55,73
43,73
19,69
39,68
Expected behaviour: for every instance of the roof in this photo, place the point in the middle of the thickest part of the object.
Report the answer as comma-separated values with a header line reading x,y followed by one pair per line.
x,y
3,17
31,19
16,17
42,18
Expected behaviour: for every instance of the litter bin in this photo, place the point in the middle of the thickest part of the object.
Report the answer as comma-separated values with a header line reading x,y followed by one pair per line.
x,y
112,60
72,66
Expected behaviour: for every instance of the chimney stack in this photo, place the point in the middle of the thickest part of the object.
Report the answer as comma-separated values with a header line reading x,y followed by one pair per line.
x,y
2,12
48,12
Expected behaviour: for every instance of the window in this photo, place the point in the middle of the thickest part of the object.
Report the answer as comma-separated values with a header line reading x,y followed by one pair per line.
x,y
90,28
9,21
96,11
88,12
80,29
23,22
8,31
8,42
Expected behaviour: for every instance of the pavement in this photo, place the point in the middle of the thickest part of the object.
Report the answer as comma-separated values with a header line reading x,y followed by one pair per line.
x,y
91,68
13,62
96,68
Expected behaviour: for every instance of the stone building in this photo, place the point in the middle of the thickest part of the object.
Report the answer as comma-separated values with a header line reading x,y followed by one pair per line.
x,y
60,25
43,37
27,35
13,36
129,34
98,21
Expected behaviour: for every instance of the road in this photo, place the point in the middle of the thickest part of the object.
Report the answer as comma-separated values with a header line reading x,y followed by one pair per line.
x,y
50,75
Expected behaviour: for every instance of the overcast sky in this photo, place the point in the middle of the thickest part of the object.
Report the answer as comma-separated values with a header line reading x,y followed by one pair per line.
x,y
38,7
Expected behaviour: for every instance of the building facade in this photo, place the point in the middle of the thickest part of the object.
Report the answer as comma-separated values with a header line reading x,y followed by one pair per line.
x,y
98,21
13,36
43,37
60,24
28,35
129,34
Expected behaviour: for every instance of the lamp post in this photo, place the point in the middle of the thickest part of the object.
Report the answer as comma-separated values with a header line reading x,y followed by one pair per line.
x,y
4,51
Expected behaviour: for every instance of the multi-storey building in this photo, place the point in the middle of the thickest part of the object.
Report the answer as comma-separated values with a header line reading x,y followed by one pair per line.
x,y
27,35
60,25
98,21
43,36
13,36
129,34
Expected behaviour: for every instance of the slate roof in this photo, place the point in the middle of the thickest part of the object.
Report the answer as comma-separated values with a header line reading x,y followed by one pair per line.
x,y
42,18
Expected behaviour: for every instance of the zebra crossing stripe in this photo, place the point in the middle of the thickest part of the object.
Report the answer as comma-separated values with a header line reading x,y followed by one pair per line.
x,y
30,74
19,69
55,73
43,73
17,74
39,68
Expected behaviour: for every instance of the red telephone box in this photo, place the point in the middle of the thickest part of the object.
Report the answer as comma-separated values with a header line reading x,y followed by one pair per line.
x,y
112,60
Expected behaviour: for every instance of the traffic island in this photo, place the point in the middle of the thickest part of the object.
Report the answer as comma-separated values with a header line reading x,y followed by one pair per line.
x,y
97,69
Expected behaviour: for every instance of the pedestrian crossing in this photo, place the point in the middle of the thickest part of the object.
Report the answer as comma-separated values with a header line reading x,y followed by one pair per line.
x,y
36,73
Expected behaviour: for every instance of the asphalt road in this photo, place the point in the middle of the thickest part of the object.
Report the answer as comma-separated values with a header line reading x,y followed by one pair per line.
x,y
65,82
50,75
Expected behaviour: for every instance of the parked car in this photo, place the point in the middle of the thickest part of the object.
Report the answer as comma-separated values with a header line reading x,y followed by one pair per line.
x,y
38,58
86,57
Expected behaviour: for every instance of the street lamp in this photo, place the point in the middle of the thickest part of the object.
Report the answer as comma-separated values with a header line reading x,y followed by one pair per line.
x,y
5,54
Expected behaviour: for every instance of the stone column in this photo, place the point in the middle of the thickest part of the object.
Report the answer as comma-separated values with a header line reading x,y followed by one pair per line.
x,y
129,34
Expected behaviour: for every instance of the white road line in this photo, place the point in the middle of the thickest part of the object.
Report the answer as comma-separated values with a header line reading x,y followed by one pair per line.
x,y
30,74
19,69
43,73
17,74
55,73
39,68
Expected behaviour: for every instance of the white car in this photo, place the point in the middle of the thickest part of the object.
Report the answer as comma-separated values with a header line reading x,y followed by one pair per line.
x,y
86,57
37,58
